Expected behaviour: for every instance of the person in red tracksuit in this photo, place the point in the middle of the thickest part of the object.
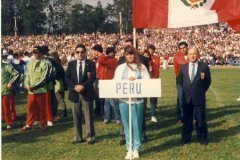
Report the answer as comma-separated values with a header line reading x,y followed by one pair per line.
x,y
178,60
154,73
99,102
110,64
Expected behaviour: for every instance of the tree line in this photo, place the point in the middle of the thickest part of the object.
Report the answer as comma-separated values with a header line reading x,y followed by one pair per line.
x,y
34,17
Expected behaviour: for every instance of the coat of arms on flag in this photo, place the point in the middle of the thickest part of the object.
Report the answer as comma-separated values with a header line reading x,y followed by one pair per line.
x,y
194,3
184,13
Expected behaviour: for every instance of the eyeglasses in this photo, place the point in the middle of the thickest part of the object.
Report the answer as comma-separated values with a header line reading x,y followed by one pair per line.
x,y
80,52
182,47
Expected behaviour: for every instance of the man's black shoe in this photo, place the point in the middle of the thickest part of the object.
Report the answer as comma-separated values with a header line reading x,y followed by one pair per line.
x,y
90,142
77,141
204,142
185,142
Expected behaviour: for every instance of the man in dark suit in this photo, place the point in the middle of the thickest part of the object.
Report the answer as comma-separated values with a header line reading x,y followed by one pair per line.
x,y
195,78
80,76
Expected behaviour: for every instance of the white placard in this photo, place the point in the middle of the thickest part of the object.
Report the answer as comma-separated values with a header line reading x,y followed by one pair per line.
x,y
126,88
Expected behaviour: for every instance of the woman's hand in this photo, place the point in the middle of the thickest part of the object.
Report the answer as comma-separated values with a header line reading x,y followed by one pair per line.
x,y
132,78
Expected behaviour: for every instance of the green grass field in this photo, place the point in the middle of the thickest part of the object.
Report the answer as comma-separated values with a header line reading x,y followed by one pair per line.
x,y
223,118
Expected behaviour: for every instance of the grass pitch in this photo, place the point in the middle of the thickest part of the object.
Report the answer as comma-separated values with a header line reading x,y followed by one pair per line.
x,y
223,112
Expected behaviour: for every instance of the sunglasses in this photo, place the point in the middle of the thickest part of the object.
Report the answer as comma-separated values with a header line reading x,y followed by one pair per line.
x,y
80,52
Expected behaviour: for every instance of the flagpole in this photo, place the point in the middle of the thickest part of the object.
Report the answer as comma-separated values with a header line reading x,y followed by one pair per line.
x,y
130,125
130,109
134,38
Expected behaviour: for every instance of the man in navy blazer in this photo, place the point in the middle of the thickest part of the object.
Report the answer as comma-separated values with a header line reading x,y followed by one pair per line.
x,y
80,76
195,78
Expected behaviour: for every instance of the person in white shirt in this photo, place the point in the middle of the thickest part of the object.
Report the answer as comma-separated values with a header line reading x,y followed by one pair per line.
x,y
132,69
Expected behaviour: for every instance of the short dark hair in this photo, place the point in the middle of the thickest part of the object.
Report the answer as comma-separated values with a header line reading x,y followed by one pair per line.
x,y
81,46
151,46
44,49
110,50
37,49
98,48
131,41
182,43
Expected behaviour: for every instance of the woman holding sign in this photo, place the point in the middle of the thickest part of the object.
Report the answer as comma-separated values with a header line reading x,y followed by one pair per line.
x,y
132,69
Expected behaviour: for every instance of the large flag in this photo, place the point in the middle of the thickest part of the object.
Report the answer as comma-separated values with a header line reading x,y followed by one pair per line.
x,y
183,13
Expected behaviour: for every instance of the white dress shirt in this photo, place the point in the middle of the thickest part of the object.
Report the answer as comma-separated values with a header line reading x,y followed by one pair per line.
x,y
191,67
78,65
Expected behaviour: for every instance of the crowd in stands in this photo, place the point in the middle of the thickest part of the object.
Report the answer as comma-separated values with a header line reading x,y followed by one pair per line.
x,y
218,44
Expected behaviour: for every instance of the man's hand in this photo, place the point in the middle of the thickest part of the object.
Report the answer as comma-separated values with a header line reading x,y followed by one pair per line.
x,y
30,89
79,88
9,86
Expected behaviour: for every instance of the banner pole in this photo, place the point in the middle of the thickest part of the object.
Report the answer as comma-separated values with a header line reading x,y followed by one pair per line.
x,y
130,126
134,38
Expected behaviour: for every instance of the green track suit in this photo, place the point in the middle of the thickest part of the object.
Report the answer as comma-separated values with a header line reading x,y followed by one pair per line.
x,y
9,75
36,78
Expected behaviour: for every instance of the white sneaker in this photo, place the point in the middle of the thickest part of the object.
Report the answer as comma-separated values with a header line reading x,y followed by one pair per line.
x,y
135,154
154,119
9,127
35,123
118,122
49,123
105,121
128,156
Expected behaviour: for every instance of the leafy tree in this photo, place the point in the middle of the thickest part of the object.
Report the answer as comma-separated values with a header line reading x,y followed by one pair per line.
x,y
57,13
111,24
86,18
74,19
64,16
33,17
125,7
7,14
98,17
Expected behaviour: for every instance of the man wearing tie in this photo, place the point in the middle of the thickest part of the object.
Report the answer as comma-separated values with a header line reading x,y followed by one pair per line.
x,y
80,76
195,78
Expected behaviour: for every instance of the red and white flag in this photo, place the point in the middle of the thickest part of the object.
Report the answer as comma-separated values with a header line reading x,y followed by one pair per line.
x,y
183,13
